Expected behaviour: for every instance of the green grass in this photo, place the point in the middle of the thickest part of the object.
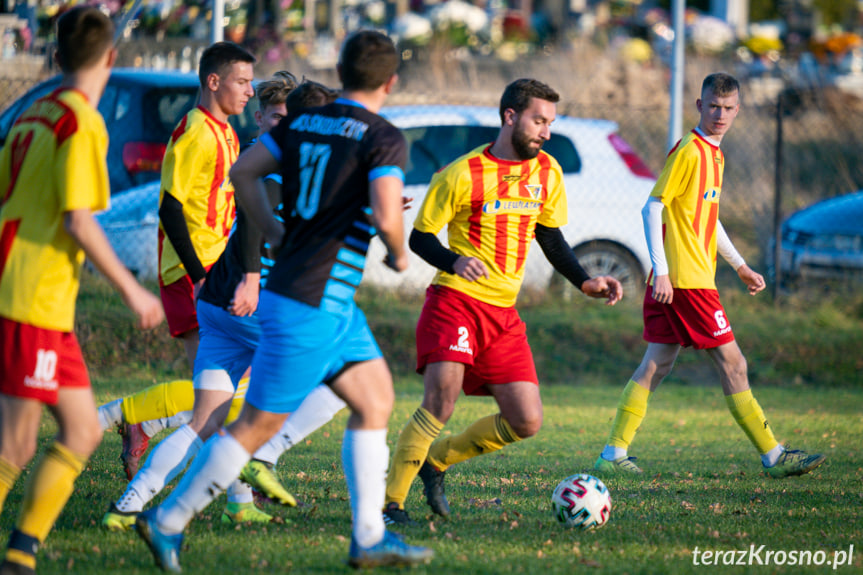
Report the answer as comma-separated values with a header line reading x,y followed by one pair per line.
x,y
702,486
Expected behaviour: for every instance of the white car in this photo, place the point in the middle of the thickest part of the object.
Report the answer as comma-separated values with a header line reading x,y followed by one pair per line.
x,y
606,185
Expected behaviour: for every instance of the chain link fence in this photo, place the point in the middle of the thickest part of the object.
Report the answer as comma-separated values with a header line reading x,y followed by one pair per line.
x,y
820,157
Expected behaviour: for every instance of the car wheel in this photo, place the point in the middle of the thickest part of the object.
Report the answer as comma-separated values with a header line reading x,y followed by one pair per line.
x,y
605,259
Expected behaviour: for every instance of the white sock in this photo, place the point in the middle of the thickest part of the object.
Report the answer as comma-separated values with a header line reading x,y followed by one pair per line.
x,y
239,492
163,464
611,453
154,426
365,456
770,458
217,465
111,414
319,407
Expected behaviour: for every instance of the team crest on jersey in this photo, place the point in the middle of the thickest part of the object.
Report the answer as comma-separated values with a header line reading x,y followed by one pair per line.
x,y
535,190
711,195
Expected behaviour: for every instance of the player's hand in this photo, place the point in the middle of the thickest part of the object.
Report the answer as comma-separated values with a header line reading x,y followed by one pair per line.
x,y
245,300
146,306
754,281
662,290
397,263
470,269
603,287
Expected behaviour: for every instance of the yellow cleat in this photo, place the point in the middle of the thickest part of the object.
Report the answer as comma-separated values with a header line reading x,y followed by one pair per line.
x,y
116,520
795,462
624,465
244,513
261,477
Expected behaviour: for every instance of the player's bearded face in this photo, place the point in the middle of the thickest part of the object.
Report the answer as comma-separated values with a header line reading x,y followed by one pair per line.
x,y
525,145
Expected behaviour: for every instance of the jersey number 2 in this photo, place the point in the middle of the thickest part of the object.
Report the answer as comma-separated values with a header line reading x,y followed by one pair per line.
x,y
313,164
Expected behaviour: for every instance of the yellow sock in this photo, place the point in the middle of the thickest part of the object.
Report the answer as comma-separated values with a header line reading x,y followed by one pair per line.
x,y
9,473
158,401
48,489
238,401
410,453
630,413
482,436
749,416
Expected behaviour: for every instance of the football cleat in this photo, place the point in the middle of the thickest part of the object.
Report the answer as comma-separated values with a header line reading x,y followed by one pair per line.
x,y
12,568
165,548
116,520
391,551
795,462
244,513
433,488
622,465
395,515
261,477
135,443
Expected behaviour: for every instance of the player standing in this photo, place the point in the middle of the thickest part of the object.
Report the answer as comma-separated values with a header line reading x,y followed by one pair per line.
x,y
53,177
336,161
681,303
196,203
470,337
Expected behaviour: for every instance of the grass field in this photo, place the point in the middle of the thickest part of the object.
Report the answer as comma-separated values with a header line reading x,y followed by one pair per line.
x,y
702,488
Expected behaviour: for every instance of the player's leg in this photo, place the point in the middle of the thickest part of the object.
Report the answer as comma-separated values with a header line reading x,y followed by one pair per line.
x,y
442,382
19,428
748,414
656,364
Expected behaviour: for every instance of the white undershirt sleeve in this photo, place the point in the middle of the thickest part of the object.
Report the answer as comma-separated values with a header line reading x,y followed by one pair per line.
x,y
651,214
726,248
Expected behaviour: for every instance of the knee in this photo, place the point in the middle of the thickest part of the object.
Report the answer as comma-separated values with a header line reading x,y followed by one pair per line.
x,y
19,453
86,439
526,426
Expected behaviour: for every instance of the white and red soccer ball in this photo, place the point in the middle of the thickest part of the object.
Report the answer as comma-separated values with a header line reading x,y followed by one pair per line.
x,y
581,501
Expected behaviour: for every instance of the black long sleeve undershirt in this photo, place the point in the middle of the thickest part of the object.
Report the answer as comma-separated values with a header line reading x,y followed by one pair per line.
x,y
428,247
174,224
560,255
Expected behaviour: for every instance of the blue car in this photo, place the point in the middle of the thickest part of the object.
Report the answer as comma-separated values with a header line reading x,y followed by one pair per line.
x,y
825,240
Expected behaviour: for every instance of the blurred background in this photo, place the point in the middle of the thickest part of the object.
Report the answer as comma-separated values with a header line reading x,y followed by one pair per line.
x,y
797,140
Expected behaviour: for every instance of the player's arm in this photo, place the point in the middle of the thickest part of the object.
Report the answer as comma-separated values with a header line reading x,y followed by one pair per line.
x,y
562,258
177,231
245,300
84,229
753,280
385,199
251,195
427,246
651,215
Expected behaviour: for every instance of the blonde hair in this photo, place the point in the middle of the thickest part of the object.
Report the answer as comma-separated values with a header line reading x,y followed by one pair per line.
x,y
275,90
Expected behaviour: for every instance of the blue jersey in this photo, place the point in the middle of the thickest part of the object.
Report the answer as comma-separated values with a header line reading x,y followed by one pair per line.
x,y
328,156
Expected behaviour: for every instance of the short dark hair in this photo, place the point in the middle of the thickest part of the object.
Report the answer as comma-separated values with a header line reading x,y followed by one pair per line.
x,y
310,94
517,95
368,60
721,84
275,90
84,34
219,56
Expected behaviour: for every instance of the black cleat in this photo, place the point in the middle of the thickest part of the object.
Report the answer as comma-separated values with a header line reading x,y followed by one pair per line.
x,y
395,515
433,488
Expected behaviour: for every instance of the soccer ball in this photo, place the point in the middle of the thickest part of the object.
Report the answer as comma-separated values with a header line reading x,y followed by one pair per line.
x,y
581,501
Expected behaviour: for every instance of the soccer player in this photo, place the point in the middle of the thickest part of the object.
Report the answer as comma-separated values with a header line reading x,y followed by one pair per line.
x,y
493,201
52,177
196,201
230,332
336,161
681,303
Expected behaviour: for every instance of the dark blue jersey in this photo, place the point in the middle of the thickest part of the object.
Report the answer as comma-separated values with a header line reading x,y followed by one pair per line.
x,y
328,156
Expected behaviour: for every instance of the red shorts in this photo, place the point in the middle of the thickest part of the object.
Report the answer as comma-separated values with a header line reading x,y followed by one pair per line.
x,y
490,341
178,299
695,318
37,362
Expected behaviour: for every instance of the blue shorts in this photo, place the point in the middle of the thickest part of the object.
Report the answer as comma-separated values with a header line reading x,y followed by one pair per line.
x,y
228,342
302,346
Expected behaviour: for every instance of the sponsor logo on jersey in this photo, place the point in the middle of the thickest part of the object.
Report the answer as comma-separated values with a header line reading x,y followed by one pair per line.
x,y
722,331
36,383
514,206
509,178
711,195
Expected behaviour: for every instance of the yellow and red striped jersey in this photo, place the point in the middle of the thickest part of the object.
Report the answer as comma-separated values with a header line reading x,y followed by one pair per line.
x,y
195,172
491,207
53,162
689,187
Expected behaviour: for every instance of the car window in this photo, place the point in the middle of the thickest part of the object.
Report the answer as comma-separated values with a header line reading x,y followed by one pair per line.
x,y
432,147
107,103
167,106
124,104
